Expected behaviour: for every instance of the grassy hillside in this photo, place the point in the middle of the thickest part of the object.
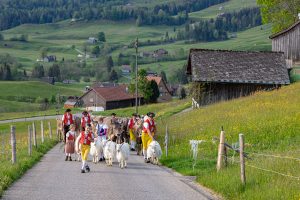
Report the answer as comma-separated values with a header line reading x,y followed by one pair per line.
x,y
21,96
230,6
270,124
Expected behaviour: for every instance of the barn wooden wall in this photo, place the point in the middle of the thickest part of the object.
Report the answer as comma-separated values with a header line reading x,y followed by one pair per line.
x,y
289,43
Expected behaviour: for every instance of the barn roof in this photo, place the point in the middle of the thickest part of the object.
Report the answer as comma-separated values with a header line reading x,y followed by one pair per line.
x,y
225,66
158,79
285,30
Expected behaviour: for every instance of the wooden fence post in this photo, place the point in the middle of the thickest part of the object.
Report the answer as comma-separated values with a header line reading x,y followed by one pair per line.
x,y
42,131
242,159
13,144
34,135
221,150
3,145
29,140
166,141
50,130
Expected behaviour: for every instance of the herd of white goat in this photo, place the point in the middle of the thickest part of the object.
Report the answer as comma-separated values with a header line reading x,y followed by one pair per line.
x,y
120,152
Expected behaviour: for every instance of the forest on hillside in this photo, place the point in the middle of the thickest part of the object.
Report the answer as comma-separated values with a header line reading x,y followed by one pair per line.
x,y
16,12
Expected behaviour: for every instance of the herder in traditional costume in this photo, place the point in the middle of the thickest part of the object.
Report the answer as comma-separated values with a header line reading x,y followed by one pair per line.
x,y
70,141
149,129
131,124
67,120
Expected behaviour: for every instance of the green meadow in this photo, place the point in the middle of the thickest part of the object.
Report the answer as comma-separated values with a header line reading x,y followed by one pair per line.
x,y
270,124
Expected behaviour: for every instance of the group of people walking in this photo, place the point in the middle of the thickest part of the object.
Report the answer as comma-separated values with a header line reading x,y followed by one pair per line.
x,y
86,135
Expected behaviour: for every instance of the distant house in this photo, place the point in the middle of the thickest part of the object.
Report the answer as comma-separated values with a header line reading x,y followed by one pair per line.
x,y
92,40
51,58
160,53
48,79
126,69
109,97
72,102
225,75
288,41
164,91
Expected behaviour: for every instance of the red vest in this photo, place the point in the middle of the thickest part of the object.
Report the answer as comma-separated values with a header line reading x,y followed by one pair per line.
x,y
71,137
83,122
66,118
85,139
151,126
131,123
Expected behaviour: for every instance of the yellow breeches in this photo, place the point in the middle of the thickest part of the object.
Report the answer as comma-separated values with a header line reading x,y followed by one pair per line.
x,y
146,140
85,149
131,135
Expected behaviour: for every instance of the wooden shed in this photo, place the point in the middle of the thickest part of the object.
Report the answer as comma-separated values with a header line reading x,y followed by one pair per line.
x,y
288,41
224,75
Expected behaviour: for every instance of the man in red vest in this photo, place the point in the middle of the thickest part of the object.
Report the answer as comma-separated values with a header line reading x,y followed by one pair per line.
x,y
67,120
149,129
85,119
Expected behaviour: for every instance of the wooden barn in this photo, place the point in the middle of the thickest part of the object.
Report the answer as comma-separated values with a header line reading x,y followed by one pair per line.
x,y
288,41
109,97
224,75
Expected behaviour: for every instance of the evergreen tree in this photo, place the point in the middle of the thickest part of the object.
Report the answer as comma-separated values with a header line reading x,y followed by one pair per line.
x,y
54,71
101,37
155,92
96,50
1,37
113,76
109,63
38,71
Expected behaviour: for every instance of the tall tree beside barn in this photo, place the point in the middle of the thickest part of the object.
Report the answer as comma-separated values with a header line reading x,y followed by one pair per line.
x,y
54,71
281,13
109,63
155,91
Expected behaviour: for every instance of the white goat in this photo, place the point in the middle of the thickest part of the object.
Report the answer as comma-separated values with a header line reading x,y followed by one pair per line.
x,y
96,150
123,152
154,152
109,152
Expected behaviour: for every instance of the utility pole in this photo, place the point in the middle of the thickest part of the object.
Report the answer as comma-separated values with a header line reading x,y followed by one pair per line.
x,y
136,75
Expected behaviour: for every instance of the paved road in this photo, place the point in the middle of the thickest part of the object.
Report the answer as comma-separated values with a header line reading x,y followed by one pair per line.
x,y
54,178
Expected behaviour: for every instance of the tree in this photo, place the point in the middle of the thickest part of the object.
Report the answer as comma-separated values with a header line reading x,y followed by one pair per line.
x,y
281,13
54,71
164,76
101,37
38,71
96,50
6,72
113,76
181,93
109,63
23,38
155,91
1,37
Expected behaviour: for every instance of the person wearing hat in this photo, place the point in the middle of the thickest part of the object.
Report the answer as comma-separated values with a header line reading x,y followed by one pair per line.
x,y
70,141
85,139
131,124
148,132
67,120
85,119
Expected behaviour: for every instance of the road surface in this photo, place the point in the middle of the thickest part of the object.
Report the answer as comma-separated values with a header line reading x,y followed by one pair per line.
x,y
54,178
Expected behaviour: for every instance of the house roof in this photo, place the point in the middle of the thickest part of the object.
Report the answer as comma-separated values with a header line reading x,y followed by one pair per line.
x,y
158,79
285,30
237,67
116,93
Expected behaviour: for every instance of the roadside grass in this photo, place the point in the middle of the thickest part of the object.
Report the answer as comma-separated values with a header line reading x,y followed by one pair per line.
x,y
9,172
270,124
229,6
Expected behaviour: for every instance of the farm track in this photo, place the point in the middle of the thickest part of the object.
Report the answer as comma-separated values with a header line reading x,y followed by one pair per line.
x,y
54,178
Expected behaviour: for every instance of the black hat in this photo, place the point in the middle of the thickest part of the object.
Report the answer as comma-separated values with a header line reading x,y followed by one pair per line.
x,y
113,114
68,110
134,114
85,112
150,114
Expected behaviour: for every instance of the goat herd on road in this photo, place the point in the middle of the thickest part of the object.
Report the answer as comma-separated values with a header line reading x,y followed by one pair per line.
x,y
122,135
